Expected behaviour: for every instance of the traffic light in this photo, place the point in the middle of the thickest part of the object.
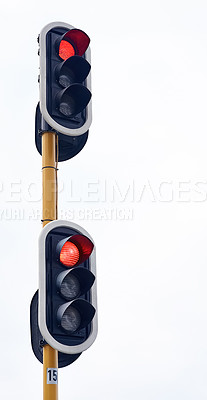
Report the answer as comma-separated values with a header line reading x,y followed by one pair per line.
x,y
65,87
67,287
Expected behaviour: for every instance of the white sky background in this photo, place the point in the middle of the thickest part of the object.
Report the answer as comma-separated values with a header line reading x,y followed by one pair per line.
x,y
148,140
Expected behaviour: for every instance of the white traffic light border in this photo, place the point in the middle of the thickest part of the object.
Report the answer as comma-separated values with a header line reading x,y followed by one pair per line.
x,y
43,103
42,291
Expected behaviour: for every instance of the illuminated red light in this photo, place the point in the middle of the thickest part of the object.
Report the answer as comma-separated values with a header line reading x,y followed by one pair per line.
x,y
66,50
69,254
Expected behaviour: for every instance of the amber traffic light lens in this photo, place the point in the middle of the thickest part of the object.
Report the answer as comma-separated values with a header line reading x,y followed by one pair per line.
x,y
70,287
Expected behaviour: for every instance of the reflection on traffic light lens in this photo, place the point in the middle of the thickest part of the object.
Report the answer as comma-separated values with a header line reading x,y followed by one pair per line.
x,y
70,287
71,320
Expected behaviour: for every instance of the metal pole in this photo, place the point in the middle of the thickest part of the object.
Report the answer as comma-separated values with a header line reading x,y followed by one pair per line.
x,y
49,213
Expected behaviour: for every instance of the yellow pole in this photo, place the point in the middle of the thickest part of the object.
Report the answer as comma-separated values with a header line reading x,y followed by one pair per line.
x,y
49,213
49,177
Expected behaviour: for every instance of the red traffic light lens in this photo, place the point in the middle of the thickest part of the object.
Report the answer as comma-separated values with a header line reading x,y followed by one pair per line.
x,y
69,254
66,50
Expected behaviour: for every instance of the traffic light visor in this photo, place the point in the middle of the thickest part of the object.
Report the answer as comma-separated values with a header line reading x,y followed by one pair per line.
x,y
74,250
74,282
78,39
84,245
75,315
75,69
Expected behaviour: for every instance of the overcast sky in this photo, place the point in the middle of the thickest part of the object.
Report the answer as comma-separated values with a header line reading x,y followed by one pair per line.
x,y
139,187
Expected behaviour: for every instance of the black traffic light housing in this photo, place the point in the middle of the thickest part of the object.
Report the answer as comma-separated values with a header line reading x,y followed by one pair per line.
x,y
65,87
37,340
67,287
68,146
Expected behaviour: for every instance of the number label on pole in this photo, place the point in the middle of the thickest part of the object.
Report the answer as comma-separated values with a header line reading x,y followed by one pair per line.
x,y
52,376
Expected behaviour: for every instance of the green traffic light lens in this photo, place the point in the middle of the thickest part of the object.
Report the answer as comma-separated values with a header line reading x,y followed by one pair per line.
x,y
71,319
67,107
